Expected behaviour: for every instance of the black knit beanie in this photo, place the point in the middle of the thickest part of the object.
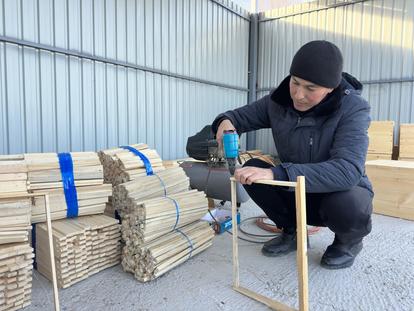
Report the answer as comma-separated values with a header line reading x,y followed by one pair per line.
x,y
319,62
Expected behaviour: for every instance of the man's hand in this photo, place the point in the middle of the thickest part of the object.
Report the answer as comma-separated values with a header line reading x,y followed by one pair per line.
x,y
225,125
249,174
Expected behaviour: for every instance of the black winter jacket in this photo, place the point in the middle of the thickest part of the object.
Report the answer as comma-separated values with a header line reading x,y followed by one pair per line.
x,y
328,145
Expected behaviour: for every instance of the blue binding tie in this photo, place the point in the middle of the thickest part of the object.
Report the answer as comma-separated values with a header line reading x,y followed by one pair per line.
x,y
68,181
189,242
162,184
144,159
177,211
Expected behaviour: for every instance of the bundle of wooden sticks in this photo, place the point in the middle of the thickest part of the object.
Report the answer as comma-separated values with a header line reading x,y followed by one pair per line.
x,y
150,219
150,260
164,183
44,175
122,165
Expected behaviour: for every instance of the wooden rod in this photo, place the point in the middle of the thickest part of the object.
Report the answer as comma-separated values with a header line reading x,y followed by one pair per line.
x,y
236,278
273,182
302,259
52,254
272,304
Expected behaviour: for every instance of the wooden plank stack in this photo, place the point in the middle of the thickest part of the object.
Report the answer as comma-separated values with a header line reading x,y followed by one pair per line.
x,y
381,140
152,259
406,142
14,212
16,263
393,183
44,175
83,246
16,255
15,220
166,182
121,165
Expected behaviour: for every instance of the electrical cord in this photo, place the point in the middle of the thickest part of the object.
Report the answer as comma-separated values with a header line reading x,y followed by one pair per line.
x,y
260,222
244,232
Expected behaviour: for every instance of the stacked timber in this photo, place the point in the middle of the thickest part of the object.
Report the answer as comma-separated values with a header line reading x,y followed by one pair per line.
x,y
381,140
83,246
393,183
44,175
165,182
14,220
14,210
152,259
144,221
16,262
122,165
16,255
406,142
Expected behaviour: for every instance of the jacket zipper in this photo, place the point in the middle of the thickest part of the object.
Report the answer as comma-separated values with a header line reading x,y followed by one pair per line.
x,y
299,119
310,147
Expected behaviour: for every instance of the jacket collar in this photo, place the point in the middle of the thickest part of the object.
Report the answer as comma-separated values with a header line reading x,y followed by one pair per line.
x,y
331,103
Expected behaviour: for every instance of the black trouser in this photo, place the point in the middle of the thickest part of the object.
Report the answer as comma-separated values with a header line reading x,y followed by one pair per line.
x,y
346,213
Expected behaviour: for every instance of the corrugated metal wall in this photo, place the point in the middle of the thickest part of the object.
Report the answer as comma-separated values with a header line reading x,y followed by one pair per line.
x,y
376,38
92,74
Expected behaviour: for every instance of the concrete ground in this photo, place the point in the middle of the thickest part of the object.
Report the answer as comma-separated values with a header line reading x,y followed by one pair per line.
x,y
382,278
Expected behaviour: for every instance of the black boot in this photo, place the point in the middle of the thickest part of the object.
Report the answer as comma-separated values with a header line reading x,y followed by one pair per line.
x,y
341,254
280,245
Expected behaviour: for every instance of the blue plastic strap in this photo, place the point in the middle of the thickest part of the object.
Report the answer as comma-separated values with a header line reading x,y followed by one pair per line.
x,y
144,159
162,184
68,181
177,211
189,242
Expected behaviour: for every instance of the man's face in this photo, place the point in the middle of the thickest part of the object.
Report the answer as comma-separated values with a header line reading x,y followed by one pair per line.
x,y
306,94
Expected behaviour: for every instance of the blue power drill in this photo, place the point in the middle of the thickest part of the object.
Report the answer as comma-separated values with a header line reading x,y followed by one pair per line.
x,y
231,149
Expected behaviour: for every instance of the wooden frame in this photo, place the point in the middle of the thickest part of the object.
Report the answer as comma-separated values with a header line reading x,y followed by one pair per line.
x,y
49,231
302,259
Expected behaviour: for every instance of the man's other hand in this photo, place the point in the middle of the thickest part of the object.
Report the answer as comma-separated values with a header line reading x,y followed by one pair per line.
x,y
249,174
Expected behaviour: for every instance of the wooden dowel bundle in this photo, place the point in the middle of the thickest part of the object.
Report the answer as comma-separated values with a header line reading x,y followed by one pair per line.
x,y
121,165
16,262
150,260
144,221
83,246
166,182
44,175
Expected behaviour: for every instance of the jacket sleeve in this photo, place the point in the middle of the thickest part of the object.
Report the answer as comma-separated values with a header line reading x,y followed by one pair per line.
x,y
247,118
346,165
